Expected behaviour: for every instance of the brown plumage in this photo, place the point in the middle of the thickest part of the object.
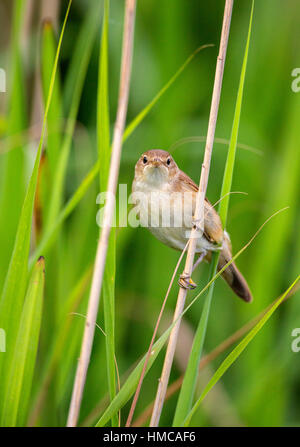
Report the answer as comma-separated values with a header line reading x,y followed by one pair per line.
x,y
156,171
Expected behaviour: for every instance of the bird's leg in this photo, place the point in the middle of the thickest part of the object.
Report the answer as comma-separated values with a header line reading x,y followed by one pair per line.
x,y
185,280
199,260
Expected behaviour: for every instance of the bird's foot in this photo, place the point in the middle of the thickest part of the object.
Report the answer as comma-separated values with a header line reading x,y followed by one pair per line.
x,y
186,282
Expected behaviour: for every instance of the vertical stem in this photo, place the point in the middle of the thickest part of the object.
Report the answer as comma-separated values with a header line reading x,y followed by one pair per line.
x,y
197,230
94,298
138,389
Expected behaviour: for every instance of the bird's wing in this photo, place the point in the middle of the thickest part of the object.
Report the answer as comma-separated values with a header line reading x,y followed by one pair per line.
x,y
213,230
186,182
212,223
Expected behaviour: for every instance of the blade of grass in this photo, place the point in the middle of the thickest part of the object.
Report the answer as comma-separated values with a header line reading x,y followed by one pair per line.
x,y
48,235
50,157
68,165
59,344
217,140
104,153
187,391
131,383
84,48
229,168
281,188
55,115
103,137
13,161
230,359
15,401
15,284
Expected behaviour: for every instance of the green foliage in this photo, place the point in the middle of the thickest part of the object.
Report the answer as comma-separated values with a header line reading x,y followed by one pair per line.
x,y
104,158
230,359
13,159
79,120
55,113
130,385
17,393
11,303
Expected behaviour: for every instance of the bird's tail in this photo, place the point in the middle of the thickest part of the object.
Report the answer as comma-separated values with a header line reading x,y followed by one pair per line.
x,y
234,278
232,275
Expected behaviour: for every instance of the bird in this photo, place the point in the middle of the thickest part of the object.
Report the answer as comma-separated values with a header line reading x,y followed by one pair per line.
x,y
165,201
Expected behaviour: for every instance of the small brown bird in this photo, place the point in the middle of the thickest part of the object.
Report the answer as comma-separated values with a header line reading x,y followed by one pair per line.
x,y
166,198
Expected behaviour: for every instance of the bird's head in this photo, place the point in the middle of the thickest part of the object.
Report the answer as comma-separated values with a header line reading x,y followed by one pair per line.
x,y
155,167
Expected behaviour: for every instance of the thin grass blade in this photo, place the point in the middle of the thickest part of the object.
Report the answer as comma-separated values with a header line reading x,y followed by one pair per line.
x,y
104,153
16,397
130,385
13,160
229,168
82,51
55,114
62,338
230,359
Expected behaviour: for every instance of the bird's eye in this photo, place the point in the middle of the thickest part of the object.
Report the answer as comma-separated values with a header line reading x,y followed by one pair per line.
x,y
145,159
168,161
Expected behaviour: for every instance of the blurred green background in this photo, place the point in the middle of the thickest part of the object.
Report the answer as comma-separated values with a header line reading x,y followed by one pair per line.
x,y
262,388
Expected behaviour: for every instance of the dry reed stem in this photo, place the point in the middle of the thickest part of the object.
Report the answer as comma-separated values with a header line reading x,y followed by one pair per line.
x,y
199,215
138,389
94,298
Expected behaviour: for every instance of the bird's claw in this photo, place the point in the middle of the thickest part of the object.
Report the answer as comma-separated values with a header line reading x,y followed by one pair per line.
x,y
186,282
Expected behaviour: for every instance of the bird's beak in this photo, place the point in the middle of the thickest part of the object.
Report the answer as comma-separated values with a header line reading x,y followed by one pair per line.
x,y
155,162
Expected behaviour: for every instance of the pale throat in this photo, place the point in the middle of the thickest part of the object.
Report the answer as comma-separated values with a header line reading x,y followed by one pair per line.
x,y
156,178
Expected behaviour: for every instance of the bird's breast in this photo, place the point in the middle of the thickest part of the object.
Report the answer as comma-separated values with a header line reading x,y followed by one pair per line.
x,y
168,216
